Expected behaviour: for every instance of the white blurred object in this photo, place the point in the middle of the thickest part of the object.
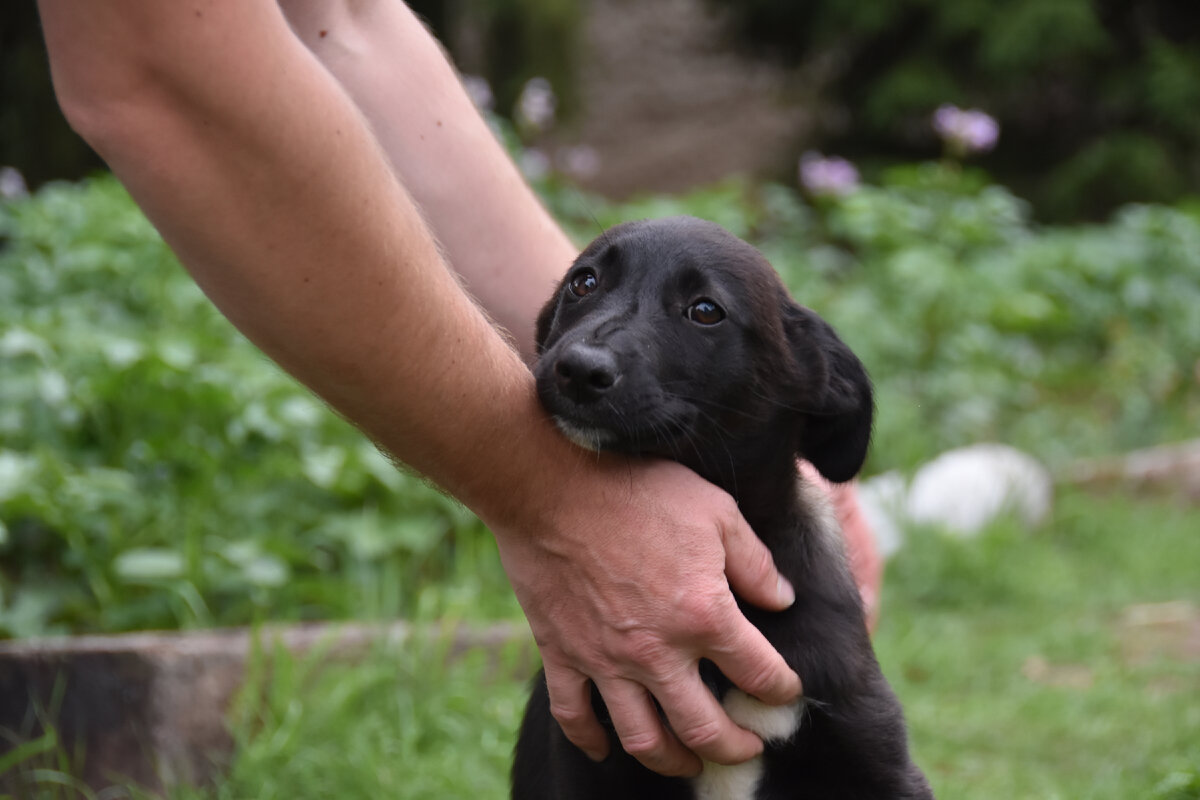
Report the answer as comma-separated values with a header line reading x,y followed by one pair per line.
x,y
881,500
965,489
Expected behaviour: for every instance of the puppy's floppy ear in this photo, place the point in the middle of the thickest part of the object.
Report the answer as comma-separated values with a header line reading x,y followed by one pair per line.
x,y
835,396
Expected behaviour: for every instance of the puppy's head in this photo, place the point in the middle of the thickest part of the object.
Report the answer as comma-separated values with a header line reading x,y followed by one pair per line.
x,y
675,338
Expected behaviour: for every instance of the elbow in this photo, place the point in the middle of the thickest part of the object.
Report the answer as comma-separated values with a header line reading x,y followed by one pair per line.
x,y
99,114
95,72
102,94
87,118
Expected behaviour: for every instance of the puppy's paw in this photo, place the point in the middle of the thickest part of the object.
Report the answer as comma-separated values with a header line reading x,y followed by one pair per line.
x,y
770,723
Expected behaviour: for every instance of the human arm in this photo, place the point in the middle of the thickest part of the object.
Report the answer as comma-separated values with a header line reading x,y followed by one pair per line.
x,y
492,228
262,175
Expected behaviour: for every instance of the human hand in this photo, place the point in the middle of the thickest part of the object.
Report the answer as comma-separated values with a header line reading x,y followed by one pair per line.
x,y
627,584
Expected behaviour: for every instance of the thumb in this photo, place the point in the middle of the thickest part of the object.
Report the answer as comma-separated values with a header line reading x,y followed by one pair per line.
x,y
751,570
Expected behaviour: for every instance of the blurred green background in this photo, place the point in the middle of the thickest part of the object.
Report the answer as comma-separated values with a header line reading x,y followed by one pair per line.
x,y
156,471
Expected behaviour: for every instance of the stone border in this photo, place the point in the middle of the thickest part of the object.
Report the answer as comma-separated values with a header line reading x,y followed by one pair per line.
x,y
1172,469
150,708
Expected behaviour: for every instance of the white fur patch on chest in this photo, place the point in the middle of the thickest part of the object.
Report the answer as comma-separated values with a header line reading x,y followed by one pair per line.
x,y
771,723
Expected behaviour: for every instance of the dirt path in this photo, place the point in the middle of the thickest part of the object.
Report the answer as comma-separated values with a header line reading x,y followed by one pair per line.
x,y
668,103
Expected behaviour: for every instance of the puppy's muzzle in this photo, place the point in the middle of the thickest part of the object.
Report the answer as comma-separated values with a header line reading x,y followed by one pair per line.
x,y
585,373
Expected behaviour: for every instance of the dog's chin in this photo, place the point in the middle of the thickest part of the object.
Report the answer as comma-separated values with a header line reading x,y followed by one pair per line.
x,y
601,439
595,439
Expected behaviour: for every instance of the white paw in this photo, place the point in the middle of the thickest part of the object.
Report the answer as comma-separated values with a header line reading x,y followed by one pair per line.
x,y
771,723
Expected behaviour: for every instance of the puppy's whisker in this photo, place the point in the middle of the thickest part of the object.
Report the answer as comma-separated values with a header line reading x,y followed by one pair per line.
x,y
741,412
703,451
720,435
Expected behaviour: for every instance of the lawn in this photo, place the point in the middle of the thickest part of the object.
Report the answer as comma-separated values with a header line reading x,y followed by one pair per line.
x,y
1031,665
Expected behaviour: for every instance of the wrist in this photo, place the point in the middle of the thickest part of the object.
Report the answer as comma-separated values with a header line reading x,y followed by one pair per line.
x,y
516,479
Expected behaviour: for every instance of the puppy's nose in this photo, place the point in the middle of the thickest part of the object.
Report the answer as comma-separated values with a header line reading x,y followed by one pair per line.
x,y
585,373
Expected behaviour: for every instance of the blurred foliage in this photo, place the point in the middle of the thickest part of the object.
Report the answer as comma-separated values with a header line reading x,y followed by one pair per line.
x,y
157,471
1098,100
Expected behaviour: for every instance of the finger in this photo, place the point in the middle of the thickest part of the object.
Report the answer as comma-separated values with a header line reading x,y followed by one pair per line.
x,y
701,725
755,666
642,733
751,570
571,706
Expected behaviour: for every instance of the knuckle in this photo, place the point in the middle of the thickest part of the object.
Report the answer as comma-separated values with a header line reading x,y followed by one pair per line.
x,y
644,745
643,648
727,509
701,736
569,718
761,563
706,614
760,679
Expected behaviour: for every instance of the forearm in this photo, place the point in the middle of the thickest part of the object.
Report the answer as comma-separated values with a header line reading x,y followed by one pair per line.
x,y
263,177
491,226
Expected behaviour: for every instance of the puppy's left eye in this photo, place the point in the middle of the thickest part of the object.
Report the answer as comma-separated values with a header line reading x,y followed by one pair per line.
x,y
584,283
705,312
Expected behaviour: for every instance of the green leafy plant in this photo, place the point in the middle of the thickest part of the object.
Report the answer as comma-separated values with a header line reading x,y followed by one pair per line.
x,y
157,471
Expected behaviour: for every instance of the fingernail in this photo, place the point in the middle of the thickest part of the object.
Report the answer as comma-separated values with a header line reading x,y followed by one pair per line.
x,y
784,591
595,755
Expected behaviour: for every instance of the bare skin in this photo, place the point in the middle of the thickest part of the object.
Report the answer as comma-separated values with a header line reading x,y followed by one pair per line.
x,y
492,229
264,176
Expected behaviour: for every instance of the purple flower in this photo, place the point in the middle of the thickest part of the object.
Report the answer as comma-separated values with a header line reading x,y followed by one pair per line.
x,y
536,105
12,184
965,132
827,176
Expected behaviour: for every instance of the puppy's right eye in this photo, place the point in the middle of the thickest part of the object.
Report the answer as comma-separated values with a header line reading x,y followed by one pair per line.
x,y
584,283
705,312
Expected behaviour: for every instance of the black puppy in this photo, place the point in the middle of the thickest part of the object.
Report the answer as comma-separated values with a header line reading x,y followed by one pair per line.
x,y
676,339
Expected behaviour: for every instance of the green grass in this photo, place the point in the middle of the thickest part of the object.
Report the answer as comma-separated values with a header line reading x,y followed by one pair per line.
x,y
400,725
1019,670
1013,653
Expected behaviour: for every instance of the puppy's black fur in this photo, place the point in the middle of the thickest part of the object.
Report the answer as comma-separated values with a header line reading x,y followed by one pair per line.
x,y
673,338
